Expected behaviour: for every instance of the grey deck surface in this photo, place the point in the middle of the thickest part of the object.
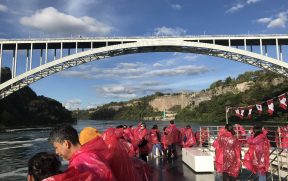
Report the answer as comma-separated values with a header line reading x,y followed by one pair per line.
x,y
175,170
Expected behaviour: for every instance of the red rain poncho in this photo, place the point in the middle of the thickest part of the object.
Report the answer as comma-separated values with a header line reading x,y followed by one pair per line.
x,y
91,158
256,158
188,138
227,153
164,140
240,133
140,135
202,136
172,134
118,158
155,136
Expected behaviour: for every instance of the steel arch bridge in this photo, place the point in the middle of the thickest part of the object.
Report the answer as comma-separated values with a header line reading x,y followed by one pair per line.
x,y
248,49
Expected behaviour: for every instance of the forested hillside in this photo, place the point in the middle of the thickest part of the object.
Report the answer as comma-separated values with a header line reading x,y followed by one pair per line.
x,y
25,108
264,85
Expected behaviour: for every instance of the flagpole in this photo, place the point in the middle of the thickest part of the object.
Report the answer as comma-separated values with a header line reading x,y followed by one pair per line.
x,y
227,109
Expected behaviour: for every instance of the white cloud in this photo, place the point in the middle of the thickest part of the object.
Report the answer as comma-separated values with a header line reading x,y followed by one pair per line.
x,y
252,1
192,57
50,20
158,65
181,70
241,5
176,6
72,104
235,8
132,90
165,31
279,21
3,8
117,91
263,20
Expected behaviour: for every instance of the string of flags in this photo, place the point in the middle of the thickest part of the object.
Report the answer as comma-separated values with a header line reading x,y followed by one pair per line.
x,y
239,111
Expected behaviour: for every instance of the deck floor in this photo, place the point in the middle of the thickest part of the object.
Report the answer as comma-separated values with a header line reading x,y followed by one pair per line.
x,y
176,170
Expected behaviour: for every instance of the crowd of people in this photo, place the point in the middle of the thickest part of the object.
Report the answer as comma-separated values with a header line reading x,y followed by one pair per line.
x,y
116,154
121,153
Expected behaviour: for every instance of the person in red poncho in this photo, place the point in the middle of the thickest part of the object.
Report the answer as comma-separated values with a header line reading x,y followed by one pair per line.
x,y
143,139
227,160
172,139
90,157
164,141
188,138
256,158
156,139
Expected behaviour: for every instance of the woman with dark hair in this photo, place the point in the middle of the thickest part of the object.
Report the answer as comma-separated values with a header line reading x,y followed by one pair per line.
x,y
43,165
257,157
227,158
156,141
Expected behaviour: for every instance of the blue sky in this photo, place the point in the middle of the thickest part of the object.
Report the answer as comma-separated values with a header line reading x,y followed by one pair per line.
x,y
131,76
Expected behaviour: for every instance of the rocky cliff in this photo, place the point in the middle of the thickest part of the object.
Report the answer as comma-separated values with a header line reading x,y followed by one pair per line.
x,y
183,100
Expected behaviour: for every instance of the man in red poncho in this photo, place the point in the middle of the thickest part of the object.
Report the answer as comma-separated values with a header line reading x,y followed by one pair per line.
x,y
87,158
228,150
172,139
256,158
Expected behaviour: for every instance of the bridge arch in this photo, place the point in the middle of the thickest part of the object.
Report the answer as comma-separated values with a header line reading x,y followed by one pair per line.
x,y
143,46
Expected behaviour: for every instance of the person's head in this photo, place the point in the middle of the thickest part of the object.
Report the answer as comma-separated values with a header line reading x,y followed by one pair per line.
x,y
125,126
143,126
155,126
172,122
257,129
230,128
87,134
188,126
120,126
43,165
65,140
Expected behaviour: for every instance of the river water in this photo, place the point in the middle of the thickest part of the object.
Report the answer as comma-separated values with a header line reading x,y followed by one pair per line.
x,y
17,146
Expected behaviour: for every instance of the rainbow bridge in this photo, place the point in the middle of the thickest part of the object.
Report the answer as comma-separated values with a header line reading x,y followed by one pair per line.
x,y
33,59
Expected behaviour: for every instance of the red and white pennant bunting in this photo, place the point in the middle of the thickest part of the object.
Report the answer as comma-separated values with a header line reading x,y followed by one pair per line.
x,y
283,102
270,107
